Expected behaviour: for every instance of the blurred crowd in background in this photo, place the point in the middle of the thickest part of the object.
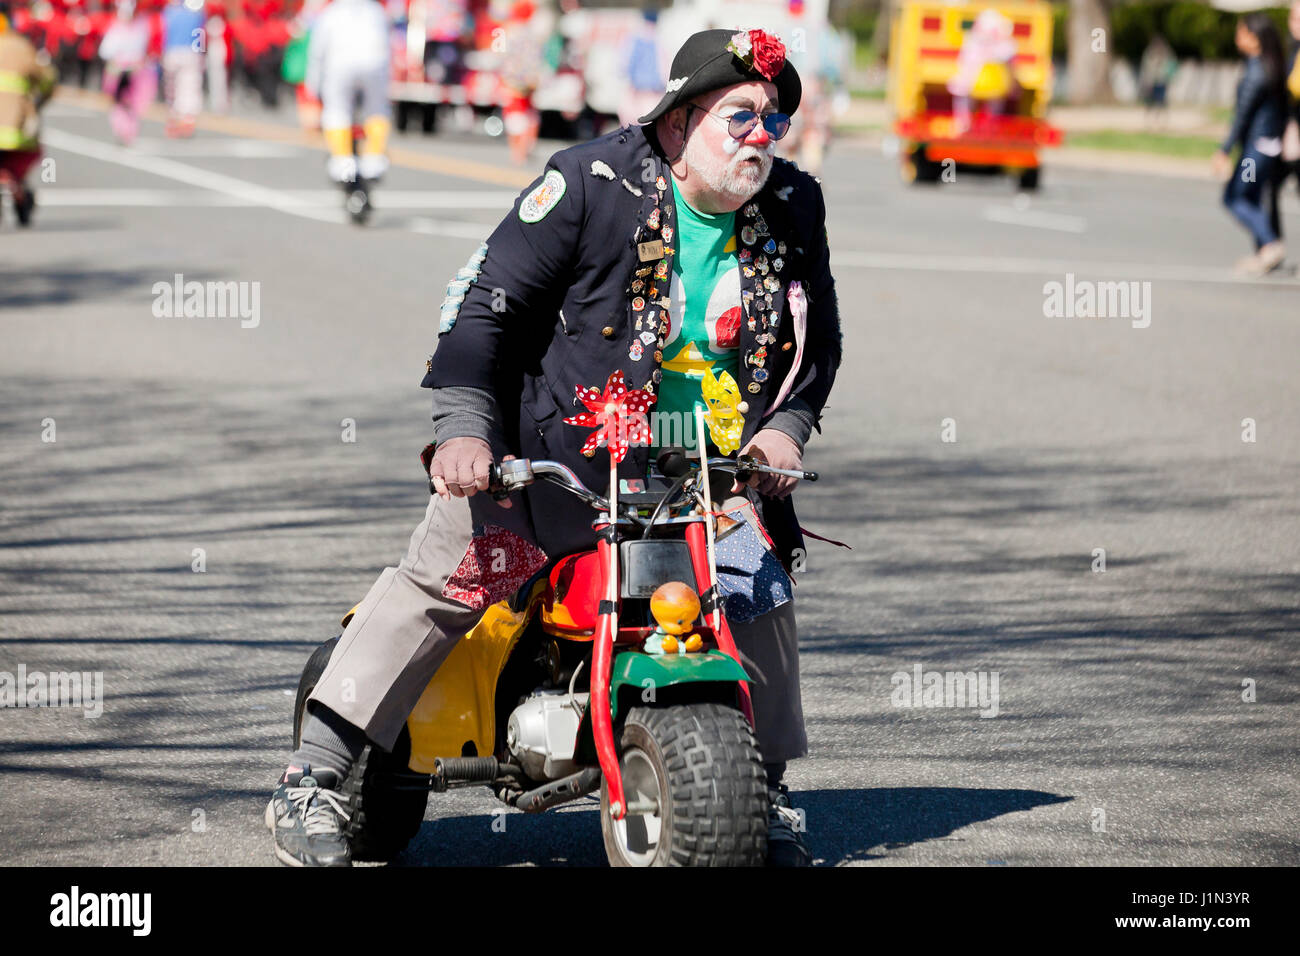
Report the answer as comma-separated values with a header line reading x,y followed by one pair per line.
x,y
516,68
523,69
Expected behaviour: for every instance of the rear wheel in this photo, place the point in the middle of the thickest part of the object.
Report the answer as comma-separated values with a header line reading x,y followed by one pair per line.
x,y
695,790
1029,179
382,819
925,169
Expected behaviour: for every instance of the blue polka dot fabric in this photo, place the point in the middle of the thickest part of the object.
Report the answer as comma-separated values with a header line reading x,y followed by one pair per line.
x,y
751,580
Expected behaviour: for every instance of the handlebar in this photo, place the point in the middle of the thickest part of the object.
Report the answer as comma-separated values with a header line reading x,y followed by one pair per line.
x,y
510,476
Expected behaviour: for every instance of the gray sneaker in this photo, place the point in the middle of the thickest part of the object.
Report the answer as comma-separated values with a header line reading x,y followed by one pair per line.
x,y
785,846
306,815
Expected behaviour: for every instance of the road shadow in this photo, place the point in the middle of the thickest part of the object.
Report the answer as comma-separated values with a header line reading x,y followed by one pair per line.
x,y
843,826
62,283
846,826
981,562
101,224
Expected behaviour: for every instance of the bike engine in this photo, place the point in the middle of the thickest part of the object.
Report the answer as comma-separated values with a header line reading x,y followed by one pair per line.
x,y
542,732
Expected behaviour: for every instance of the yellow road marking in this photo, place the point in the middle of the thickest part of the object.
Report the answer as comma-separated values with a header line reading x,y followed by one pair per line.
x,y
272,132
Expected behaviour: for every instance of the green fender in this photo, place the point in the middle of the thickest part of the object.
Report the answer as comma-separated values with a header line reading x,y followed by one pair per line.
x,y
633,669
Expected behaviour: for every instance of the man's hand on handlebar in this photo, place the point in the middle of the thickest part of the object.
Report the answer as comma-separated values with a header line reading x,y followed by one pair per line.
x,y
779,450
460,468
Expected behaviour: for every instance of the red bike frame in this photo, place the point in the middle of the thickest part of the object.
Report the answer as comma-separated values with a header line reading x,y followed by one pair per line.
x,y
602,657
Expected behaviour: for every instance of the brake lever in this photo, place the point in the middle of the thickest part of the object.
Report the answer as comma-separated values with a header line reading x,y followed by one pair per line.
x,y
508,476
748,466
495,486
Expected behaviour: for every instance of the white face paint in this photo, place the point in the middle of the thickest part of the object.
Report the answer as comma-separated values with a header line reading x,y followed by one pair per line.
x,y
738,173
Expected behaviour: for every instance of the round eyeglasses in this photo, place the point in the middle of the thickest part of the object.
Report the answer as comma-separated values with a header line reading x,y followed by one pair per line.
x,y
742,122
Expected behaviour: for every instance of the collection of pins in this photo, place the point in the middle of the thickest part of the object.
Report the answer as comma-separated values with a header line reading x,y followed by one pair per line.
x,y
762,259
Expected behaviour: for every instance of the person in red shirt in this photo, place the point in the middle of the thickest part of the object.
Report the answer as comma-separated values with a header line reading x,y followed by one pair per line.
x,y
21,21
98,18
266,33
520,76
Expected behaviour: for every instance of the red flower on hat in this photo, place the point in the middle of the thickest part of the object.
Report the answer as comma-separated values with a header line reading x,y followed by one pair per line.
x,y
618,415
761,52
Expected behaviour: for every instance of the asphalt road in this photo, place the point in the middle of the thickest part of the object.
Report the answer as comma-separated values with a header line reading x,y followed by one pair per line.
x,y
1121,736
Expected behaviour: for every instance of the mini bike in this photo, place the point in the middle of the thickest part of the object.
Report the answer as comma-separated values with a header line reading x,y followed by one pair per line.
x,y
613,668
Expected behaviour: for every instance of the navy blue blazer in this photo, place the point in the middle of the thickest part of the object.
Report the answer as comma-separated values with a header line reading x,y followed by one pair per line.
x,y
552,298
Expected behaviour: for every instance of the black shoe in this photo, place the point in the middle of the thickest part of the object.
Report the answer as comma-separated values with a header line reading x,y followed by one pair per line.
x,y
785,846
24,208
306,814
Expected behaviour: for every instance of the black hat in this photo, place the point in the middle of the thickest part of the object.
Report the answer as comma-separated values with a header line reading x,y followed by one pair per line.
x,y
711,60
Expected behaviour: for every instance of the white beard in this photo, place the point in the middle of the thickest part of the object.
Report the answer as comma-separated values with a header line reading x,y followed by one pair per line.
x,y
731,177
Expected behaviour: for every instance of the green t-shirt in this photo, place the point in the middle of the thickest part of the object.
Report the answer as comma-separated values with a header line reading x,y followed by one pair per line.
x,y
704,321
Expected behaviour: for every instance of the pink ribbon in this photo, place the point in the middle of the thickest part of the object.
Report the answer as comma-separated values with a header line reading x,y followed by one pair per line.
x,y
799,313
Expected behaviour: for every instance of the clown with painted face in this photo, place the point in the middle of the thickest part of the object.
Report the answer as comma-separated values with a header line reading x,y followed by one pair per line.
x,y
678,258
718,123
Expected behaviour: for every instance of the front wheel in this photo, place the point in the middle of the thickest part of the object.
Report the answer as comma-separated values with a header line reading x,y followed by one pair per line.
x,y
695,789
357,203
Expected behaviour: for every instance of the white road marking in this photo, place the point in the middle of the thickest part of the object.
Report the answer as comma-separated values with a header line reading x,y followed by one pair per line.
x,y
191,175
495,199
217,147
388,198
66,196
453,230
1008,265
320,205
1038,220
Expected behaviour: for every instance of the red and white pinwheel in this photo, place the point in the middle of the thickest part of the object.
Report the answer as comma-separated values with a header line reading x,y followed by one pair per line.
x,y
617,414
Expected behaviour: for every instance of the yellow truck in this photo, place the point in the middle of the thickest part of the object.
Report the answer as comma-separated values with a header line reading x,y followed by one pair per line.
x,y
969,85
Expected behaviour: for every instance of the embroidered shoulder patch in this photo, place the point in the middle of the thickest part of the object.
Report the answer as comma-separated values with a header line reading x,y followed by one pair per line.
x,y
544,198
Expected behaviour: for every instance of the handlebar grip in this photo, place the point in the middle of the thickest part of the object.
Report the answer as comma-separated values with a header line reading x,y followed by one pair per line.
x,y
747,465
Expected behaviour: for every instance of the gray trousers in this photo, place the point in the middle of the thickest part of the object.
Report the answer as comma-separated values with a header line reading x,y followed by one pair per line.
x,y
405,628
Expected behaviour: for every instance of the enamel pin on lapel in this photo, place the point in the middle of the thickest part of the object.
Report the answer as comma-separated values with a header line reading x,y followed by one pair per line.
x,y
649,251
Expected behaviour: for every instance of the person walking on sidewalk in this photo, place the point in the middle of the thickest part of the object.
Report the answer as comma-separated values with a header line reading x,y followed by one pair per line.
x,y
1291,136
1257,126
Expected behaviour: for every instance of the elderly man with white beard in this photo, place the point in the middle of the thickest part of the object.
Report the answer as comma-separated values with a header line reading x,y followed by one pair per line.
x,y
678,252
